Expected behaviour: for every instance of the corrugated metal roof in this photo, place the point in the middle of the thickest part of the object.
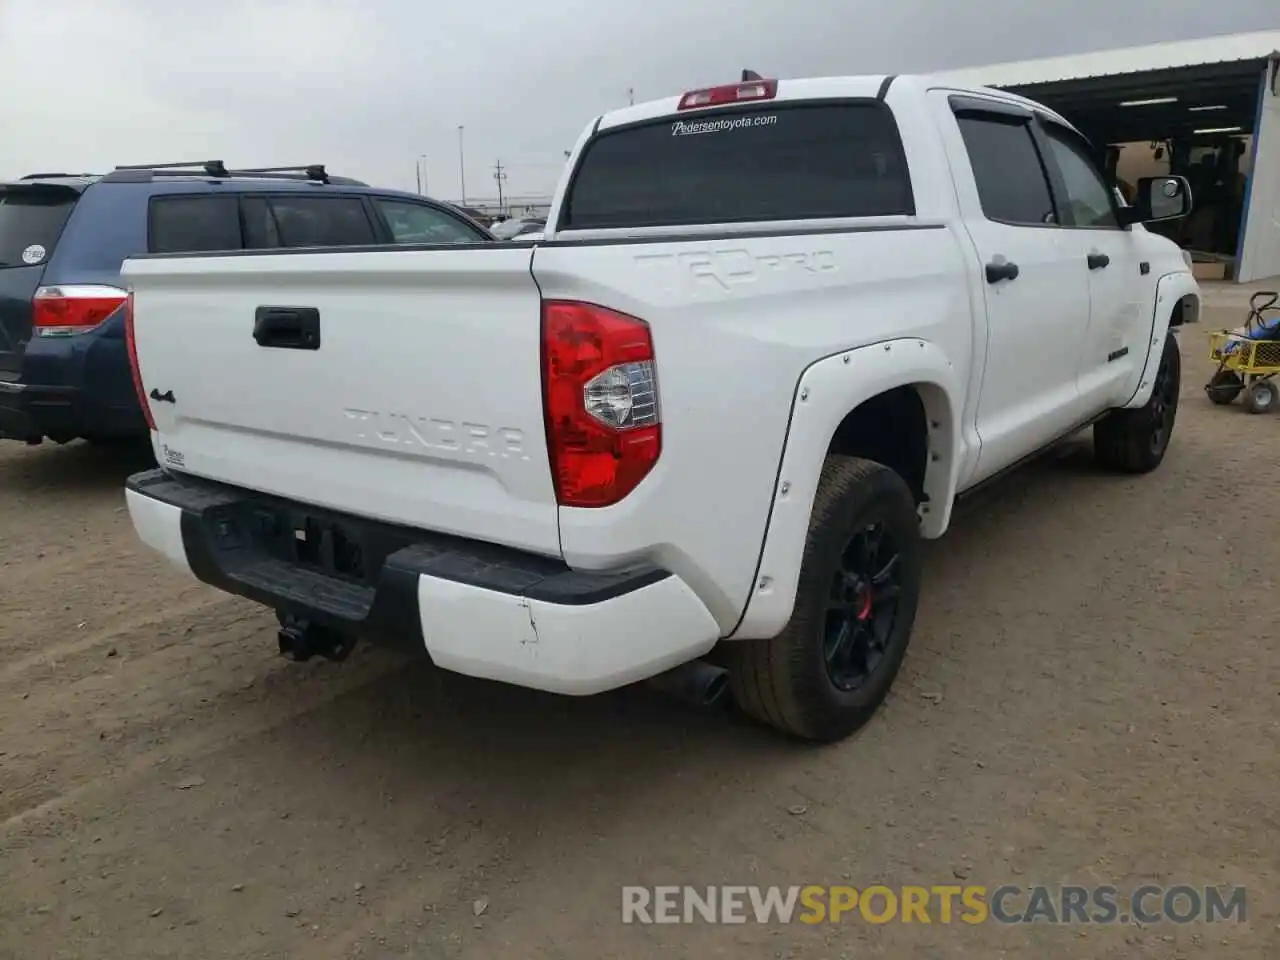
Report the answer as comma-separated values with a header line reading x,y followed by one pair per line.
x,y
1101,63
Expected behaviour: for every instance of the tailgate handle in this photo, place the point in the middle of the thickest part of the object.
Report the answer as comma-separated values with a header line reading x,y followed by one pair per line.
x,y
288,328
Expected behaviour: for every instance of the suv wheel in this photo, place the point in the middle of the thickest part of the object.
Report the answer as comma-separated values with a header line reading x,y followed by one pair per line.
x,y
829,669
1135,441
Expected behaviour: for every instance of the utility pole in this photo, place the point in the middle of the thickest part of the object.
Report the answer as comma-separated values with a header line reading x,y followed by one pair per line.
x,y
422,175
499,175
462,168
631,96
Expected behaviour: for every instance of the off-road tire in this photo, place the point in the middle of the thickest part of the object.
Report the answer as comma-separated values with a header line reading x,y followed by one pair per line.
x,y
1260,396
784,682
1224,387
1136,440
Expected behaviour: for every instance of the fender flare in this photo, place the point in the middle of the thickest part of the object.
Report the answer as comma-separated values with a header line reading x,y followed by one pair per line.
x,y
826,393
1171,289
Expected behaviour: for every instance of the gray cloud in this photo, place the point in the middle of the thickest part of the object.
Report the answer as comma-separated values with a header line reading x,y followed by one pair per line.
x,y
368,86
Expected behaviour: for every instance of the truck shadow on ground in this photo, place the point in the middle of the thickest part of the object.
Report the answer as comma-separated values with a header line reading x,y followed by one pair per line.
x,y
425,787
416,730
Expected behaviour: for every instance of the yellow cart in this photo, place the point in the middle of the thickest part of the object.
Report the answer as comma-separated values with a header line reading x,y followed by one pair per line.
x,y
1248,358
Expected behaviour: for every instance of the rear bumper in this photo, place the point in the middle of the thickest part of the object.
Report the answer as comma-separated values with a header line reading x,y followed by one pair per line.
x,y
72,387
473,608
29,412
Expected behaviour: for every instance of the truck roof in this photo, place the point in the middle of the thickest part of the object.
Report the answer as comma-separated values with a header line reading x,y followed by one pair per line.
x,y
813,88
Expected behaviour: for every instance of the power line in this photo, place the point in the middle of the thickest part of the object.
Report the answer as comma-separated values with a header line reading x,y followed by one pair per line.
x,y
499,175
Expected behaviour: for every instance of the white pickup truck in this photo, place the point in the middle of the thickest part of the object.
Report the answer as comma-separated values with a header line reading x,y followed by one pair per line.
x,y
772,331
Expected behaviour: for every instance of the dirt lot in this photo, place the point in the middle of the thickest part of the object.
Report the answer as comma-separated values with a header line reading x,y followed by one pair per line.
x,y
1091,697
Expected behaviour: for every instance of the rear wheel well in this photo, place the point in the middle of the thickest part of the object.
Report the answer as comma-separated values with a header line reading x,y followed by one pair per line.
x,y
1186,310
891,428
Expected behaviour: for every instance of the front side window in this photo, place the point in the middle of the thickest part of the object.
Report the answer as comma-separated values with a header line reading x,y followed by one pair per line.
x,y
1088,200
419,223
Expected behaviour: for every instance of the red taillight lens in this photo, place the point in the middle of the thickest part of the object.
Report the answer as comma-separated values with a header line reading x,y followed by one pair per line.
x,y
730,93
132,347
600,399
66,311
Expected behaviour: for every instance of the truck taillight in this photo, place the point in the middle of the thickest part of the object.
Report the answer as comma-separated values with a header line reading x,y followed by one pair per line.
x,y
133,362
600,400
67,310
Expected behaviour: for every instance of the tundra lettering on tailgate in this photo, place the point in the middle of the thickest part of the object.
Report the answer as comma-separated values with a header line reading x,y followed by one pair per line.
x,y
381,428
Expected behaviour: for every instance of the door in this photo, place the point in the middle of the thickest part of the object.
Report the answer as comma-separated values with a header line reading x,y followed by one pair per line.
x,y
1035,284
1113,349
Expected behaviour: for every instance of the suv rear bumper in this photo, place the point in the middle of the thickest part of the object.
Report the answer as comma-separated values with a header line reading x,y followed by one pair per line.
x,y
29,412
473,608
71,387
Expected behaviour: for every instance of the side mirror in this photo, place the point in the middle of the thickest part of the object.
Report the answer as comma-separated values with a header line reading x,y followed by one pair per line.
x,y
1159,198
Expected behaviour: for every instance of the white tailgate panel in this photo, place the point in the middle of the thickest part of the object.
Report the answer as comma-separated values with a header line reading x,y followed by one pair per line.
x,y
422,405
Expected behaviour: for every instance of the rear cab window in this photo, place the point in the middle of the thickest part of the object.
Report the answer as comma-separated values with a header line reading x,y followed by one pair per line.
x,y
786,160
31,220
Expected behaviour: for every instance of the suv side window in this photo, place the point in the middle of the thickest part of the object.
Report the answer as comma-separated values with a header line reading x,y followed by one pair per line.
x,y
193,224
419,223
260,231
312,221
1089,202
1012,184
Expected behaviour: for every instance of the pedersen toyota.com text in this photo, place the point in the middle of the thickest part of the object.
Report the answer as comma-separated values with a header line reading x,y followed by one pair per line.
x,y
682,128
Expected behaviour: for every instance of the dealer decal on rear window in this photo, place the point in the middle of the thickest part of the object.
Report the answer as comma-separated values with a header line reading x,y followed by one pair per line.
x,y
682,128
33,254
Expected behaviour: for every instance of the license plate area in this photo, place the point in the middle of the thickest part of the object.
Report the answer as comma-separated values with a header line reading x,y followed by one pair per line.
x,y
326,547
329,544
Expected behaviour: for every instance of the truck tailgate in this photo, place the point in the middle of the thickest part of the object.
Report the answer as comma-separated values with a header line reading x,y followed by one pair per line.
x,y
404,386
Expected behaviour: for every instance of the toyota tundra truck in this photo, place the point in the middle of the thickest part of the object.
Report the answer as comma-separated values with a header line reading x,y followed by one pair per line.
x,y
772,331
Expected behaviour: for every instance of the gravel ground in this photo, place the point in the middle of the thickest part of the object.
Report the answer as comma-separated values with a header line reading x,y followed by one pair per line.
x,y
1090,697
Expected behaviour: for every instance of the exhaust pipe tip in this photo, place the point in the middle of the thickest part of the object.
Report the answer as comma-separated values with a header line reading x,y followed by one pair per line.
x,y
699,683
294,643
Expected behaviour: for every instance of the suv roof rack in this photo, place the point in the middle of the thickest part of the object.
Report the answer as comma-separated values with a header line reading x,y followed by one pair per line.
x,y
50,176
146,172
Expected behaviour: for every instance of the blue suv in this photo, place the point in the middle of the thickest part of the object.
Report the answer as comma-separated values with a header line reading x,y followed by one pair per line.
x,y
64,369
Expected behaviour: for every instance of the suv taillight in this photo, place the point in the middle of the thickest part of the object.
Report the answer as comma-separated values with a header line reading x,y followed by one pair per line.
x,y
600,400
75,308
133,362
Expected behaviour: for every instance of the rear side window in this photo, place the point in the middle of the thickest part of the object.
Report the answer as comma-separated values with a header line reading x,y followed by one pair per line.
x,y
784,162
311,221
31,220
1012,184
194,224
260,231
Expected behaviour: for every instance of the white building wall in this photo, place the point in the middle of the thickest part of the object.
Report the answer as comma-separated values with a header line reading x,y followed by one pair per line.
x,y
1260,251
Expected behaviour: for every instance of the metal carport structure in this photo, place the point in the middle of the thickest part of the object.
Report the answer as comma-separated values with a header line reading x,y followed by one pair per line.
x,y
1194,91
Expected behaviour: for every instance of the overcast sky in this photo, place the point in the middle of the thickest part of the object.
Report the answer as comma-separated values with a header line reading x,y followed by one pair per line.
x,y
367,86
